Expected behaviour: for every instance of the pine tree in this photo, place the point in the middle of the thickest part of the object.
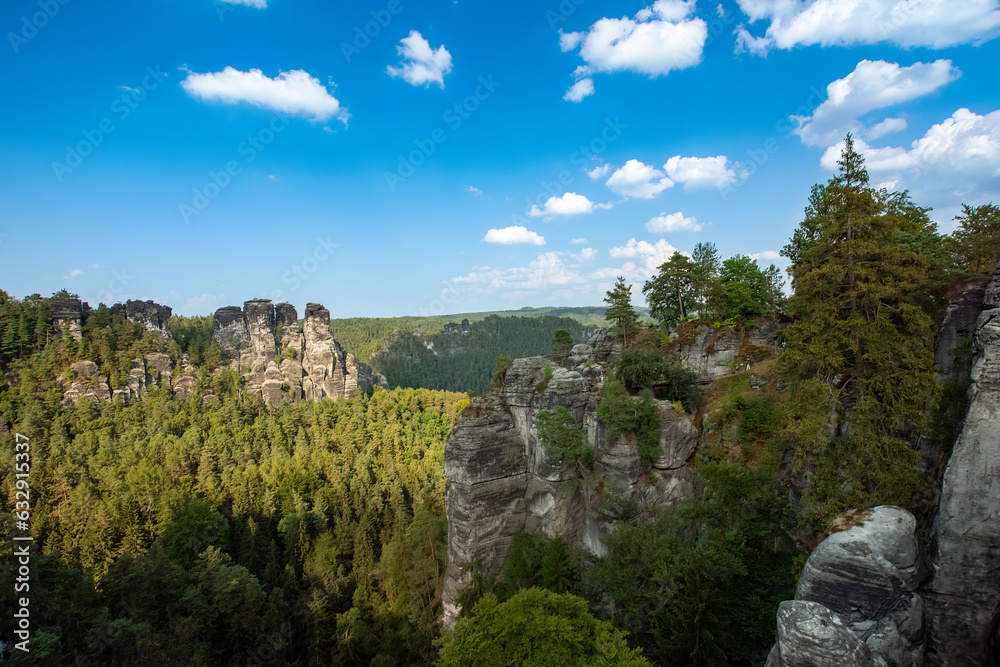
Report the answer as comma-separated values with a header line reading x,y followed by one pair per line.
x,y
671,293
857,330
620,310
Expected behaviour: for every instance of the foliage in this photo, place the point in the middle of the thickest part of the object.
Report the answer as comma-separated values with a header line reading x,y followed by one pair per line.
x,y
466,362
671,293
178,532
977,239
859,327
562,342
620,311
701,584
648,369
500,367
535,627
623,413
562,439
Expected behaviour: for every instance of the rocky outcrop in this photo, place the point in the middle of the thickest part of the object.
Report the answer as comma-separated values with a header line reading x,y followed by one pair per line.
x,y
716,352
963,597
501,480
957,329
856,602
151,316
68,315
262,341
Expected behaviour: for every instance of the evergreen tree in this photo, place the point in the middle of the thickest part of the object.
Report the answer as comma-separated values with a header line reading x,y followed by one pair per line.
x,y
562,342
620,311
855,328
706,263
671,293
977,238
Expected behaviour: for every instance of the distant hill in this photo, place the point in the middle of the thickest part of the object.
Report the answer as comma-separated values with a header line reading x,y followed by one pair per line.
x,y
364,335
462,358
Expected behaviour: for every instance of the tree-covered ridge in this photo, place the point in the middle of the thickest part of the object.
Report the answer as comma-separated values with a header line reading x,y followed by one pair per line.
x,y
185,532
466,361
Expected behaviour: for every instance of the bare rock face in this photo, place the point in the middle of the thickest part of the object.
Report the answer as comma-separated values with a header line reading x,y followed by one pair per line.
x,y
151,316
811,635
957,328
280,362
714,353
501,479
963,597
856,602
68,314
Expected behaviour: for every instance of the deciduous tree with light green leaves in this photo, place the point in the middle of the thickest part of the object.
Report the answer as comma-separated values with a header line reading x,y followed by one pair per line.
x,y
536,627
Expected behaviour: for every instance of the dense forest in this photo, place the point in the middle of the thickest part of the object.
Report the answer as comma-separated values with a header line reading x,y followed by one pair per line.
x,y
224,532
465,361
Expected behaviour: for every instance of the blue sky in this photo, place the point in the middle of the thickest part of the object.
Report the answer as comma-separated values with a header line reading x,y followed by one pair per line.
x,y
403,157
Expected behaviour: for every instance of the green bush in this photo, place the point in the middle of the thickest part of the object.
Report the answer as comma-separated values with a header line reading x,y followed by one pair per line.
x,y
647,369
561,438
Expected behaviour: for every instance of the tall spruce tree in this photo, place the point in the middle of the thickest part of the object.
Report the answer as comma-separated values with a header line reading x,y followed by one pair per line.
x,y
858,328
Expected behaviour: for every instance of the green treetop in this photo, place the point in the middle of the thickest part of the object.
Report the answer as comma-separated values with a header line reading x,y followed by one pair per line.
x,y
620,311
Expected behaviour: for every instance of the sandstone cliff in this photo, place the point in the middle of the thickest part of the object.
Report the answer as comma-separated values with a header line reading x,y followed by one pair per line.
x,y
856,602
963,597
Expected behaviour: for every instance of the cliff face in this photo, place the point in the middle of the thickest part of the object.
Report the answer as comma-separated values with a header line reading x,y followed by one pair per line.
x,y
283,363
500,479
963,598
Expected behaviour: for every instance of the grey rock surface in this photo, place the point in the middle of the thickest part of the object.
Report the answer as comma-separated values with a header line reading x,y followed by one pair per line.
x,y
862,582
963,597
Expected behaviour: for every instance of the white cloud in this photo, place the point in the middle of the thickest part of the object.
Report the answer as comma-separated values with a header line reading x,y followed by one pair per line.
x,y
421,64
204,304
513,235
588,253
579,241
599,172
73,275
569,204
258,4
638,180
579,90
872,85
887,126
907,23
956,160
701,172
473,190
294,92
659,39
766,256
674,222
644,258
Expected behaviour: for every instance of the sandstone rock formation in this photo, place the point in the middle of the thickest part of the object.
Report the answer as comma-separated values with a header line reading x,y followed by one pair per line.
x,y
152,316
68,314
501,480
957,329
713,353
856,602
963,597
263,343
